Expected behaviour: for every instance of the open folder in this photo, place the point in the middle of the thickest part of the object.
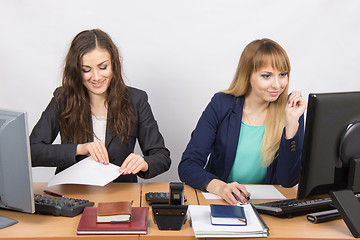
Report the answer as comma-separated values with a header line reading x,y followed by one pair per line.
x,y
201,224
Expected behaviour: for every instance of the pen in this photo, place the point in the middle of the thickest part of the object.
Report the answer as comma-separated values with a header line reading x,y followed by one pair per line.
x,y
260,218
238,199
53,193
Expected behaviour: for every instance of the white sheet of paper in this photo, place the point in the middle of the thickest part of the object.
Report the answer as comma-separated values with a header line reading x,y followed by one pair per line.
x,y
86,172
257,192
208,195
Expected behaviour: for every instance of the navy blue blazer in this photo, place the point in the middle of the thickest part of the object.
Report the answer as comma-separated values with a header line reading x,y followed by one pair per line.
x,y
217,134
144,129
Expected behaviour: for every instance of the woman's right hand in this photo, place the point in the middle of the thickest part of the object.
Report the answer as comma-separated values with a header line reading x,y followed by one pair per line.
x,y
227,190
295,108
96,150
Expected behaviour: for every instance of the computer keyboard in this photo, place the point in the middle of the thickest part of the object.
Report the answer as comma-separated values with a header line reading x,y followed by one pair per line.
x,y
60,206
157,197
294,207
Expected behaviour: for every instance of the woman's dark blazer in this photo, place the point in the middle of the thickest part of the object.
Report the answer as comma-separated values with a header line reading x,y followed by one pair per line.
x,y
217,135
44,153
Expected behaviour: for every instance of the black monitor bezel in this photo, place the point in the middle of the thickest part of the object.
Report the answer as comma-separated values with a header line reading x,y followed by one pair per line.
x,y
328,115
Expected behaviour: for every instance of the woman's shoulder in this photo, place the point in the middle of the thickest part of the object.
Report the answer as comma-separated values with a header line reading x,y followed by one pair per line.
x,y
57,92
136,95
136,91
224,99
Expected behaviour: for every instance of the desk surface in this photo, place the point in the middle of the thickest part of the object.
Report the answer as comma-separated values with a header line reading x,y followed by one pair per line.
x,y
34,226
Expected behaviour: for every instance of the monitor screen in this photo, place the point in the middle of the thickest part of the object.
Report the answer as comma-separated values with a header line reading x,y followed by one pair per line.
x,y
16,192
324,167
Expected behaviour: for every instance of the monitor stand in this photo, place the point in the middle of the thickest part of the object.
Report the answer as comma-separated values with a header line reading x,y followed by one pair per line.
x,y
349,209
6,222
345,200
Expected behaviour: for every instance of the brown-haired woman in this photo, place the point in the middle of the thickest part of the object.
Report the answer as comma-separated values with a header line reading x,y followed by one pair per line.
x,y
251,133
97,115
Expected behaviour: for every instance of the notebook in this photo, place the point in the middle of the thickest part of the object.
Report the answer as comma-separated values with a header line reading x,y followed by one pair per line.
x,y
227,215
138,224
114,212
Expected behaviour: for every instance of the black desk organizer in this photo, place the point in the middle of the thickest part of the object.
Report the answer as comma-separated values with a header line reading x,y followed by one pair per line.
x,y
169,217
173,215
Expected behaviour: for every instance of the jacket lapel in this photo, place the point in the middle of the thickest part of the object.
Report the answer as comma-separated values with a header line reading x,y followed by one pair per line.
x,y
235,119
108,135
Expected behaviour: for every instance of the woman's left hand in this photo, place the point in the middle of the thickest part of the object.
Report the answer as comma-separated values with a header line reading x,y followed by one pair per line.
x,y
133,164
296,107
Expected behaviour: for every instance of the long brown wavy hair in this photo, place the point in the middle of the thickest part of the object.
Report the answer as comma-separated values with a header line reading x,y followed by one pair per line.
x,y
256,55
73,101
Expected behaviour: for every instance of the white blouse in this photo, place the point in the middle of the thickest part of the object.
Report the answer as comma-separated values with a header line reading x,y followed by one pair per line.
x,y
99,128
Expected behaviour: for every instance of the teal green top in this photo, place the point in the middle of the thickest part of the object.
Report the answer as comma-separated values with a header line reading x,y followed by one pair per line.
x,y
247,168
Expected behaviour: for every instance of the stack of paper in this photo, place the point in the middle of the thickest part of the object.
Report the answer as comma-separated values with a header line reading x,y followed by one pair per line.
x,y
201,224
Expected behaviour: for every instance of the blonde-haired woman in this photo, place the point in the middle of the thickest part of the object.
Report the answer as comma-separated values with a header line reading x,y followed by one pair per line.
x,y
251,133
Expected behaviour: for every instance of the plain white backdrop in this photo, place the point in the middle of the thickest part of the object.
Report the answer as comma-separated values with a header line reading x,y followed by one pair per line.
x,y
180,52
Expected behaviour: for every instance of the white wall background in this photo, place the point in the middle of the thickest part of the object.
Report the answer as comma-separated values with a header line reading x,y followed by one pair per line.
x,y
179,51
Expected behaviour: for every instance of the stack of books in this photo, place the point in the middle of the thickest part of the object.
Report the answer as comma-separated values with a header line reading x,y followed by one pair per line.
x,y
113,218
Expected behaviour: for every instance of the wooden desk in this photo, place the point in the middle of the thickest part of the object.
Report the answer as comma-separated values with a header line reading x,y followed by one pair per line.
x,y
297,227
35,226
186,231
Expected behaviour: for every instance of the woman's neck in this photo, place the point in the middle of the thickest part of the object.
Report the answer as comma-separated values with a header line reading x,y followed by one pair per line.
x,y
254,111
98,105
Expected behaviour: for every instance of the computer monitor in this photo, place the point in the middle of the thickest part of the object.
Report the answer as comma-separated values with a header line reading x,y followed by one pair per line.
x,y
16,192
331,150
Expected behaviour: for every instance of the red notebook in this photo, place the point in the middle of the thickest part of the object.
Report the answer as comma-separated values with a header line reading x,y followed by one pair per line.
x,y
138,224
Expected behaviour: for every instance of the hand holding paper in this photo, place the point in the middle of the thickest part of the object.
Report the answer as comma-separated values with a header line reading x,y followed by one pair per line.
x,y
133,164
87,172
96,150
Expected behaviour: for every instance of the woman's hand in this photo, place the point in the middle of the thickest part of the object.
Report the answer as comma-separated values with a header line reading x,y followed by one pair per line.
x,y
296,106
227,190
96,150
133,164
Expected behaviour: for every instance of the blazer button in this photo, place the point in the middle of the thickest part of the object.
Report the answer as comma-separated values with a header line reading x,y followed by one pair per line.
x,y
293,149
293,142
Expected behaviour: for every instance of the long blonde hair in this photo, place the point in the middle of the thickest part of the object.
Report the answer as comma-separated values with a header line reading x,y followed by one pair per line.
x,y
256,55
